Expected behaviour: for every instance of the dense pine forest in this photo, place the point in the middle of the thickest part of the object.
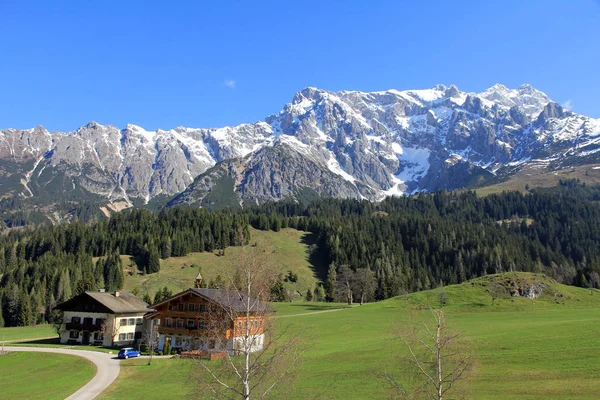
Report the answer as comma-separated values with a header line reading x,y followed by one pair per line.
x,y
374,250
42,267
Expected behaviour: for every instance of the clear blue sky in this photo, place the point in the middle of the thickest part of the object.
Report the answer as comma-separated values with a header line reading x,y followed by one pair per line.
x,y
162,64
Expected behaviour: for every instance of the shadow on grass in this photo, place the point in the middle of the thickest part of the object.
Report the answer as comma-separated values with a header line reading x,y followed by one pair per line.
x,y
316,256
38,342
324,307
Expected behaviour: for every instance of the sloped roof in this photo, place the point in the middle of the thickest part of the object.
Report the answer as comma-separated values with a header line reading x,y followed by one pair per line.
x,y
228,299
123,303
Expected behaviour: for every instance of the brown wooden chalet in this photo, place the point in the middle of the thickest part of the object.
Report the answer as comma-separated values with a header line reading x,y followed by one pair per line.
x,y
209,320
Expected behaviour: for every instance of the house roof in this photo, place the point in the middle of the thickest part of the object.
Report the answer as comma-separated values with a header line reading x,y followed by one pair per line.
x,y
228,299
123,303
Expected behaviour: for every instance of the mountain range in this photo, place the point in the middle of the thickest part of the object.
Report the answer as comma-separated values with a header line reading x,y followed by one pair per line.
x,y
347,144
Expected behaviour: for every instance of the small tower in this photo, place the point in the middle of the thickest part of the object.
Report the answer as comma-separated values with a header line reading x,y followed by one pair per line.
x,y
198,280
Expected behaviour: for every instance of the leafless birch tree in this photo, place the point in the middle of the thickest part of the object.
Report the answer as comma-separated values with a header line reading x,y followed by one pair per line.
x,y
150,339
438,359
260,356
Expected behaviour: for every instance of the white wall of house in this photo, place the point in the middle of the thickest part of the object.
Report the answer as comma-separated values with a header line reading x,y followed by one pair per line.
x,y
202,343
114,335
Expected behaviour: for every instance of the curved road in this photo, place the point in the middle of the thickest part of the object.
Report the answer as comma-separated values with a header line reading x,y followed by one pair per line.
x,y
107,369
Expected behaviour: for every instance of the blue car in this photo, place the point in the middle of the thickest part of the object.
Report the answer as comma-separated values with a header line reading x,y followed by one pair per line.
x,y
128,352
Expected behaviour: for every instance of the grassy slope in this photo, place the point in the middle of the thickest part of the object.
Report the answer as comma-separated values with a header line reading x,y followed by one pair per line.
x,y
540,177
289,249
42,376
27,332
545,348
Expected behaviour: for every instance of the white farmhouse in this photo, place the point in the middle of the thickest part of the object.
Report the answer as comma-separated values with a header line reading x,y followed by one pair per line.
x,y
103,318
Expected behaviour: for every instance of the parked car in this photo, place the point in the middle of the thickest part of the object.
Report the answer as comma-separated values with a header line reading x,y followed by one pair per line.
x,y
128,352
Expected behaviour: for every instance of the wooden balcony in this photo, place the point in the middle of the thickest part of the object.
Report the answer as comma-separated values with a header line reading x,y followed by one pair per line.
x,y
74,326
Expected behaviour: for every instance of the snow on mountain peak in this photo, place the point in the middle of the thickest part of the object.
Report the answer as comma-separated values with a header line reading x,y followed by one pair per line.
x,y
530,100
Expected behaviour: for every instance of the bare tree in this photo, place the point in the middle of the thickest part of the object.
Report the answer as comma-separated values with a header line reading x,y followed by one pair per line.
x,y
594,279
110,327
438,359
344,284
260,356
150,338
364,284
442,295
495,289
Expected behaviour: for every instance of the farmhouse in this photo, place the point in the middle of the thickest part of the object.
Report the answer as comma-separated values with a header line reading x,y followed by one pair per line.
x,y
210,320
103,319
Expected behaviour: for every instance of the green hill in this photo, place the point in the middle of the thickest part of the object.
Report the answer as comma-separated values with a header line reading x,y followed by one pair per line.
x,y
290,251
542,348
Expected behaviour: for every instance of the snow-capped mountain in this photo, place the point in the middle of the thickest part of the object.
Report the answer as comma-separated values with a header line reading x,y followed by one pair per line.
x,y
345,144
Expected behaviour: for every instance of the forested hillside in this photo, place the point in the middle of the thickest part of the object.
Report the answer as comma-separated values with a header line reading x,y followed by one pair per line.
x,y
374,250
41,267
421,242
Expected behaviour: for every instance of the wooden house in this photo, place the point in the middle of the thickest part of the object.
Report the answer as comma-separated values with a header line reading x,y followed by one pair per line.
x,y
210,320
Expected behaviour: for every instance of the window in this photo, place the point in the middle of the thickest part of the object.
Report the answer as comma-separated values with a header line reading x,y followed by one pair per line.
x,y
169,323
122,337
170,307
75,320
157,322
191,307
89,321
211,344
180,323
181,307
201,324
138,335
213,308
99,321
98,336
130,336
73,335
138,321
124,322
191,324
202,308
131,321
178,341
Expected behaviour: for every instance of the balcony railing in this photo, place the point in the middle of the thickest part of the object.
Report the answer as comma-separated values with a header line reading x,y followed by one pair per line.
x,y
74,326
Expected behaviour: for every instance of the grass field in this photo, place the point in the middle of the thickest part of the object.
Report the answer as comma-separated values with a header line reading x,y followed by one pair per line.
x,y
289,248
545,348
42,375
55,343
27,332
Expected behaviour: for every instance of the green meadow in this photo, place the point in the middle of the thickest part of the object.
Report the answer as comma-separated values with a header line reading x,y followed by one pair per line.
x,y
289,250
544,348
42,375
27,332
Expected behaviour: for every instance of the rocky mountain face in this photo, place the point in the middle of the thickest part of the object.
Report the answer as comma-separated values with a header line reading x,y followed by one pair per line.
x,y
342,144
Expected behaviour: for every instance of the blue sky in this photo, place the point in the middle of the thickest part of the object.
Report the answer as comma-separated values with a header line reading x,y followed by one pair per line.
x,y
204,64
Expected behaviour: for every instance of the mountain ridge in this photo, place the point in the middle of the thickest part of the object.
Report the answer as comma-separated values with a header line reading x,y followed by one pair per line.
x,y
375,143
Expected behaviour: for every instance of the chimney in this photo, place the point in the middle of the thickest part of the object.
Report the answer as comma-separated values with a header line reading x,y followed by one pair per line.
x,y
117,294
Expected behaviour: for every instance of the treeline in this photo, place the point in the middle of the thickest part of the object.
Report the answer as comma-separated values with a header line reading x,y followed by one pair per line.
x,y
42,267
421,242
373,250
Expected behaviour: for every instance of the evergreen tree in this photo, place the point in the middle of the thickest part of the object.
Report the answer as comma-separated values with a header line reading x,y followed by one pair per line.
x,y
331,283
153,261
309,295
25,312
